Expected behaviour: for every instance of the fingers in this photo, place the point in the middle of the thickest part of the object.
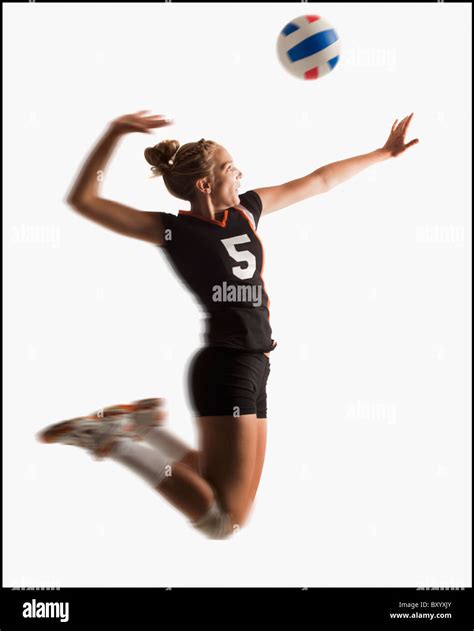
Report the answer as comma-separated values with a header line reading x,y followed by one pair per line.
x,y
163,123
158,120
407,120
402,126
396,128
154,124
411,143
155,116
139,122
403,148
151,117
146,125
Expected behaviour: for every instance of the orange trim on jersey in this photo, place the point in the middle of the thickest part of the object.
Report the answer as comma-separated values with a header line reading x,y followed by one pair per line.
x,y
245,216
222,223
263,257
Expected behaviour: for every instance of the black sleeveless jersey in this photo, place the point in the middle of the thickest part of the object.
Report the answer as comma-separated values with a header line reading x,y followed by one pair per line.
x,y
221,261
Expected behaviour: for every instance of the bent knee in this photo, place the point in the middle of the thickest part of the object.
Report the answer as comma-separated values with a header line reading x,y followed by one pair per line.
x,y
238,518
237,510
216,523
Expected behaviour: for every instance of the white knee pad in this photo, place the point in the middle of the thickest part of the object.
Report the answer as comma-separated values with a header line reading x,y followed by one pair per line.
x,y
216,524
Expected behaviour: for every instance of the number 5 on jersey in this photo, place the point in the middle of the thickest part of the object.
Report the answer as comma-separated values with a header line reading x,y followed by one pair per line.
x,y
241,256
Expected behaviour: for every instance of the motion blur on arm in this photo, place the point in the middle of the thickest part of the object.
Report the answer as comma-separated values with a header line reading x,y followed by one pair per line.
x,y
85,197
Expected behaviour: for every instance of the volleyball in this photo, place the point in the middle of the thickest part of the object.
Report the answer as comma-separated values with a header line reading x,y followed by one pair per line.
x,y
308,47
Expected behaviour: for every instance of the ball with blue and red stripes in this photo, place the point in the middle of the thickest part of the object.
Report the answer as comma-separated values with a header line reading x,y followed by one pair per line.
x,y
308,47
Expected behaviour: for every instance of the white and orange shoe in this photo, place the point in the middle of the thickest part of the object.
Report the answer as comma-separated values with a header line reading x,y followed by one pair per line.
x,y
99,430
97,437
136,417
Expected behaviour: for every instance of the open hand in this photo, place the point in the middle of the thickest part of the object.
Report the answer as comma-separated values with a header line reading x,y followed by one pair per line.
x,y
139,122
395,144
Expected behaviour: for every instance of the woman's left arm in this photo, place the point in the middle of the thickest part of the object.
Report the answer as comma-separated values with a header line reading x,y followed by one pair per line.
x,y
330,175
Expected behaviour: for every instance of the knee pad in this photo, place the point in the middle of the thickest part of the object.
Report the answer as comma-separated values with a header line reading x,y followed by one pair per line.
x,y
215,524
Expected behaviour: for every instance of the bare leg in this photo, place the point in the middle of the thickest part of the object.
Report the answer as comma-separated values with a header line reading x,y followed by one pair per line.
x,y
178,450
158,435
187,491
184,488
226,469
259,460
230,463
227,460
191,459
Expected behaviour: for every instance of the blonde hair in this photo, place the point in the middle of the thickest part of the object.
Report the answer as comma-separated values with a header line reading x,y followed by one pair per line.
x,y
180,166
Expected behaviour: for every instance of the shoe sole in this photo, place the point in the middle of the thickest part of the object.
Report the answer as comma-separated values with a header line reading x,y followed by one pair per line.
x,y
52,433
141,405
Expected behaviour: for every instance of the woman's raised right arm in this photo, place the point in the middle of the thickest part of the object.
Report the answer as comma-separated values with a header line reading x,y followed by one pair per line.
x,y
85,198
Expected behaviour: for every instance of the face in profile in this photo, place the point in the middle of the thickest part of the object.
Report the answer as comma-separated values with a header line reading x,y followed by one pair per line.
x,y
226,180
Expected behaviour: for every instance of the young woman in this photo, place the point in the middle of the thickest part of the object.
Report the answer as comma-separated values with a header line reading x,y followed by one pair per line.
x,y
215,250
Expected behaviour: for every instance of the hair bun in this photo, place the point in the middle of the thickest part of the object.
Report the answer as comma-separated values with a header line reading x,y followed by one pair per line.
x,y
161,156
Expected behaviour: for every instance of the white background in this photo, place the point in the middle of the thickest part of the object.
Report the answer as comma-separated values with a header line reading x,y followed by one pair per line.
x,y
367,474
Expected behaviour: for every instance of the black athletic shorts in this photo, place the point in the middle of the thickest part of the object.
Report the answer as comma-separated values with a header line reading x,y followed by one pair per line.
x,y
225,381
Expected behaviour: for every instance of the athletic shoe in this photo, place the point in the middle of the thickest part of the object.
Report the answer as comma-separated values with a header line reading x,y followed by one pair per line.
x,y
96,437
137,417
